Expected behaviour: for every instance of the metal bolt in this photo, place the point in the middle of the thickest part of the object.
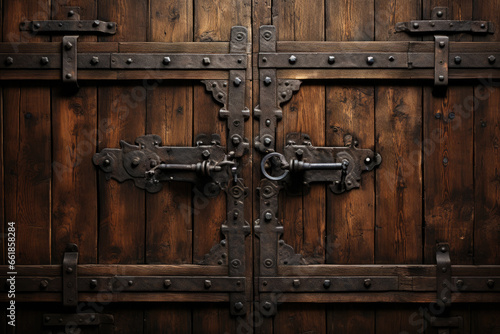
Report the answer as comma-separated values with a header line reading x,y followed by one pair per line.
x,y
106,162
451,115
443,249
237,81
206,61
458,60
283,94
110,25
167,283
391,58
327,283
268,81
236,214
299,153
93,283
451,24
47,319
296,283
94,60
490,283
223,243
44,284
264,59
492,59
432,24
9,61
267,141
69,76
238,306
68,45
268,122
370,60
129,61
292,60
130,283
437,115
220,95
268,262
483,26
368,160
367,283
44,60
153,163
69,270
92,318
166,60
441,78
208,284
440,13
205,154
71,13
460,284
136,162
236,140
444,299
443,269
37,25
268,216
331,60
267,306
240,60
96,23
442,44
415,25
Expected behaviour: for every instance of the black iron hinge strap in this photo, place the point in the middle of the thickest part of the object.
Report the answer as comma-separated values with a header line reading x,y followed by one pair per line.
x,y
69,276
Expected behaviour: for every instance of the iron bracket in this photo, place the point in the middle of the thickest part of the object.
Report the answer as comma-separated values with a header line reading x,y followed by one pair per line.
x,y
439,23
70,276
302,164
444,287
72,322
441,55
69,61
72,26
148,163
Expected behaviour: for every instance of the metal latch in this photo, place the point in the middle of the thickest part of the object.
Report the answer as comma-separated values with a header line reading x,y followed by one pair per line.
x,y
148,163
302,164
444,287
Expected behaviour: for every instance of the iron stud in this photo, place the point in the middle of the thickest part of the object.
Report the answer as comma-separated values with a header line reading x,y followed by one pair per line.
x,y
368,160
130,283
492,59
443,249
268,81
110,25
490,283
445,162
47,319
206,154
206,61
9,61
93,283
296,283
451,115
483,26
69,76
416,25
106,162
441,78
44,60
44,284
208,284
167,283
238,306
391,58
96,23
129,61
367,283
37,25
331,59
94,60
69,270
237,81
437,115
460,284
292,59
267,141
268,122
443,269
458,60
370,60
442,44
268,216
267,306
166,60
327,283
440,14
71,13
68,46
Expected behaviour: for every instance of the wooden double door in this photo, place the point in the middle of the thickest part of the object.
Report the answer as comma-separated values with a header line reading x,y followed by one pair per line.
x,y
253,254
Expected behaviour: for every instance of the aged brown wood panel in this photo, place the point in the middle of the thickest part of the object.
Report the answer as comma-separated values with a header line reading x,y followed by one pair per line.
x,y
304,225
398,133
487,153
448,160
122,111
27,156
74,133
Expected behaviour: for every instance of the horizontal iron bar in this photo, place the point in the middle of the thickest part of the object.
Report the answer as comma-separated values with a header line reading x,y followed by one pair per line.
x,y
376,60
328,284
424,26
80,319
69,26
132,284
178,61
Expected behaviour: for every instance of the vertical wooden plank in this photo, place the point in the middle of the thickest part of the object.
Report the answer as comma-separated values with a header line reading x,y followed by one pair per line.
x,y
213,20
448,160
350,110
487,153
122,109
27,147
74,189
398,129
485,319
169,213
303,217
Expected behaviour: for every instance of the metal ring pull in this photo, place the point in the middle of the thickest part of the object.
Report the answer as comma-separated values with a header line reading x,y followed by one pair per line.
x,y
263,166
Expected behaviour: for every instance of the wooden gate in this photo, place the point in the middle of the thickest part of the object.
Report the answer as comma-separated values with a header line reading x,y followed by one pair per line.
x,y
237,166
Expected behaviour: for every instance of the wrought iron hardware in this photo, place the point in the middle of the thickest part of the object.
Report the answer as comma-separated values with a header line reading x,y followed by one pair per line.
x,y
69,276
304,164
69,27
71,322
444,287
439,23
69,61
328,284
148,164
